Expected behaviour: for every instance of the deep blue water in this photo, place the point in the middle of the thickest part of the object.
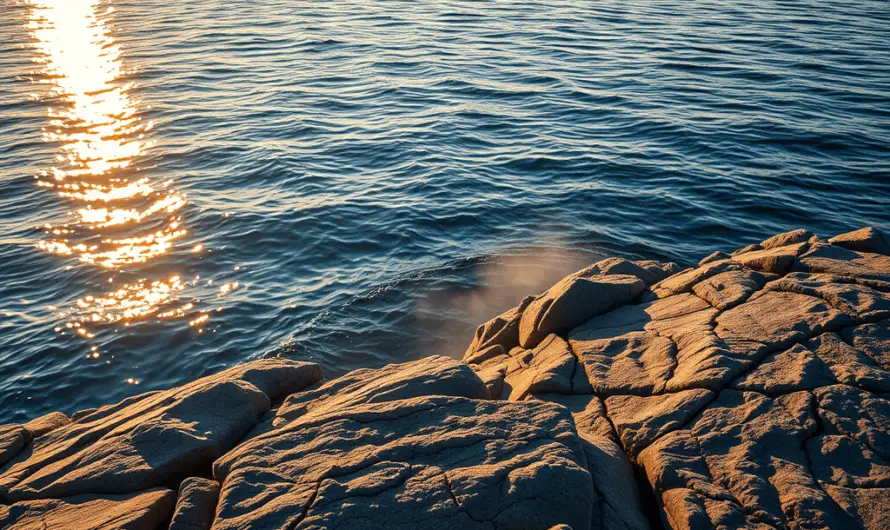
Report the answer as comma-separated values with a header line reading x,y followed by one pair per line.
x,y
380,177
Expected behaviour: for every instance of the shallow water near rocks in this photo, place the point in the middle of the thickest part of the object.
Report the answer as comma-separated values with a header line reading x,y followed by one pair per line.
x,y
187,185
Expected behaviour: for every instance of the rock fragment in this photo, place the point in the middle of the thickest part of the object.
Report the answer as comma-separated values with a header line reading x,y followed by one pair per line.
x,y
195,504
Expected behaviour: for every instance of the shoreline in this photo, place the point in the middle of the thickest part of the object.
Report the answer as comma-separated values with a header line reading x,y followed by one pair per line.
x,y
750,391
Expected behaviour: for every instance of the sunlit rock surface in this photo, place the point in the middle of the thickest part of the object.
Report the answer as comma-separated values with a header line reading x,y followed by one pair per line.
x,y
752,391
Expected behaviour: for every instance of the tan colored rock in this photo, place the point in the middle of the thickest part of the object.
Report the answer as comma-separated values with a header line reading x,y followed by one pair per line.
x,y
636,362
616,488
829,259
772,320
435,375
13,439
716,256
425,463
46,423
866,239
793,237
548,368
642,420
154,440
502,330
195,504
794,369
776,260
683,282
872,340
588,412
729,289
841,292
145,510
573,301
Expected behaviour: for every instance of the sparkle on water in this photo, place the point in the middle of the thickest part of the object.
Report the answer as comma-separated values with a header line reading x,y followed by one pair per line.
x,y
95,121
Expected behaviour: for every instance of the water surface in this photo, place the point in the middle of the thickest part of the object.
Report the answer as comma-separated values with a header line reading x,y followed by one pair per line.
x,y
187,185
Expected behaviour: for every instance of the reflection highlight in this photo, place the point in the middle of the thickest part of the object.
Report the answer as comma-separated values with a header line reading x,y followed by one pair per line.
x,y
119,218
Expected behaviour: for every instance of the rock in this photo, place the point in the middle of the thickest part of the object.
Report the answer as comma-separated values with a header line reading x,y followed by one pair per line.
x,y
13,439
436,375
573,301
642,420
615,487
154,440
650,272
426,462
502,330
848,365
588,412
772,320
776,260
794,369
637,362
546,369
686,280
843,293
728,289
872,340
135,511
46,423
716,256
829,259
866,239
195,504
793,237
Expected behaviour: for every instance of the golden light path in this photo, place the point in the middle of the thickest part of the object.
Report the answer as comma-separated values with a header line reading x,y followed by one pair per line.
x,y
120,220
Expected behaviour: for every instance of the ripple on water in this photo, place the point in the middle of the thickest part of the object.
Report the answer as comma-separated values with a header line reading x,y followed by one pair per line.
x,y
357,183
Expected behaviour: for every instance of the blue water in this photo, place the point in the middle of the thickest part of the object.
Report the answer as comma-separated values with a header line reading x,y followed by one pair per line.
x,y
380,177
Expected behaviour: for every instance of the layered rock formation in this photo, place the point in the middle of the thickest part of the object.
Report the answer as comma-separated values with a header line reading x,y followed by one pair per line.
x,y
752,391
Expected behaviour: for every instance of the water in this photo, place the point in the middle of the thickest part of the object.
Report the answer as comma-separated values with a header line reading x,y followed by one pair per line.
x,y
186,185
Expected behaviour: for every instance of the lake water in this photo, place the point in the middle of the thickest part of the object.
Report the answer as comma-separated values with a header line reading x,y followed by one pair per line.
x,y
189,184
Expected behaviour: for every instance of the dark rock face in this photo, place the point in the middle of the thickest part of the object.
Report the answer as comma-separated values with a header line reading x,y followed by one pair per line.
x,y
750,392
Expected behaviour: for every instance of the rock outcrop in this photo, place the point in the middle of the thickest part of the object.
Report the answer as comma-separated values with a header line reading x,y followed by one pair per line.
x,y
752,391
748,392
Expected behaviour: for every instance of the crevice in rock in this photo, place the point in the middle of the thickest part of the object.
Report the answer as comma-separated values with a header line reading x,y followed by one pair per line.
x,y
309,503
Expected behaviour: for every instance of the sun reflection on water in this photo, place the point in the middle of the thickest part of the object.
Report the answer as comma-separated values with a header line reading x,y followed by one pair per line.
x,y
120,220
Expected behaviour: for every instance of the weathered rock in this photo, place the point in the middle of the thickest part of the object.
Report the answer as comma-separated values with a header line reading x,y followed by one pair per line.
x,y
777,260
195,504
436,375
872,340
502,330
793,237
13,439
650,272
588,412
866,239
136,511
573,301
841,292
154,440
615,486
729,289
797,368
683,282
46,423
642,420
716,256
829,259
429,462
548,368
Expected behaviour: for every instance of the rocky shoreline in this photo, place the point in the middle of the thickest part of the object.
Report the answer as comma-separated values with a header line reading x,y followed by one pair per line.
x,y
752,391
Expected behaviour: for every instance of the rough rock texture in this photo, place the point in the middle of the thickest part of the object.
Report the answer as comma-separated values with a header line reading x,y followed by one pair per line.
x,y
195,504
426,462
151,441
431,376
136,511
751,392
